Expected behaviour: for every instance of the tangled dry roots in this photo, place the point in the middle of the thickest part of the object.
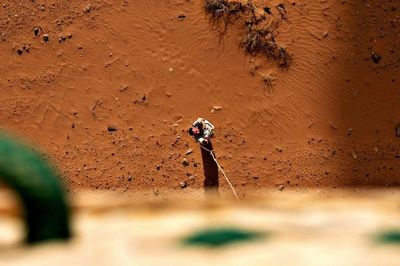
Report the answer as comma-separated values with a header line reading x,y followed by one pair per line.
x,y
263,42
260,27
220,8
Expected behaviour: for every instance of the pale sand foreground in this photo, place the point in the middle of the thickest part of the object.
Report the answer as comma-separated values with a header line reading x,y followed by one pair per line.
x,y
305,228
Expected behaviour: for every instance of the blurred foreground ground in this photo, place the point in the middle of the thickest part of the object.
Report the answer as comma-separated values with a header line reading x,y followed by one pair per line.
x,y
311,227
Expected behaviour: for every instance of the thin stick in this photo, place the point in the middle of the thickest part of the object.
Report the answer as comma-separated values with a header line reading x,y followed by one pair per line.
x,y
98,102
110,63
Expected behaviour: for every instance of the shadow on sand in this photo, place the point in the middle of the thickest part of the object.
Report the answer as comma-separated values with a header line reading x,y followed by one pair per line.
x,y
211,179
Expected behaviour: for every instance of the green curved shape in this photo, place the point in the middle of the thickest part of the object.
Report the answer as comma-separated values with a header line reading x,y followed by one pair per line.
x,y
39,188
220,237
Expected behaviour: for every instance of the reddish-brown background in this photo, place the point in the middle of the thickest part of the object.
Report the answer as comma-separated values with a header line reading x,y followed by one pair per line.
x,y
122,52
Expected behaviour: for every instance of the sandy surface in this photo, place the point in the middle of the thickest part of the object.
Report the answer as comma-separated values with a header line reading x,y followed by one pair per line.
x,y
328,121
313,228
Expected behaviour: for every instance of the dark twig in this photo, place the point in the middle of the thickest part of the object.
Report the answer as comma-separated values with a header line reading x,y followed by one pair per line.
x,y
98,102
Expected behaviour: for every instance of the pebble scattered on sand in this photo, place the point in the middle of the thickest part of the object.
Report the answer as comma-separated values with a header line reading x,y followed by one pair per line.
x,y
183,184
111,129
350,132
46,37
61,38
189,151
88,8
185,162
37,31
64,37
25,48
216,108
281,187
376,58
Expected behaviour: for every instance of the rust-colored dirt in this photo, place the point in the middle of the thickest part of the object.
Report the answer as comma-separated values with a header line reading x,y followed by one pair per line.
x,y
141,68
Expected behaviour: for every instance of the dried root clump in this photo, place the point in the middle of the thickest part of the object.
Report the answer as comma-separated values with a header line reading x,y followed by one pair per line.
x,y
223,8
267,79
263,42
261,27
283,57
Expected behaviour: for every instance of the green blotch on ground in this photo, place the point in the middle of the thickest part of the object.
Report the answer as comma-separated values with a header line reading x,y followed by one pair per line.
x,y
219,237
389,237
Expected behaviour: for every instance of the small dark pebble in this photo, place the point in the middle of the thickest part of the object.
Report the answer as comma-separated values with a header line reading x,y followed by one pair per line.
x,y
37,31
183,184
350,132
185,162
376,58
112,129
62,38
46,37
267,10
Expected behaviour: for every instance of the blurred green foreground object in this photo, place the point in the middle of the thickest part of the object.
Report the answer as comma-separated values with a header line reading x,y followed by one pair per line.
x,y
219,237
389,237
39,188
